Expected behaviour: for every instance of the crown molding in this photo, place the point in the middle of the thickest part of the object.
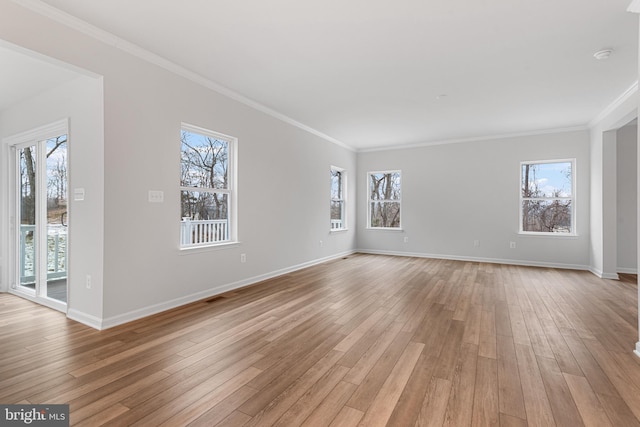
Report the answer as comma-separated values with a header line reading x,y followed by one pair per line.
x,y
615,104
110,39
634,7
478,138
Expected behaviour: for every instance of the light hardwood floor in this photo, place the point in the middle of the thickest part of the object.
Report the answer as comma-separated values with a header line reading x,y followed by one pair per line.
x,y
367,340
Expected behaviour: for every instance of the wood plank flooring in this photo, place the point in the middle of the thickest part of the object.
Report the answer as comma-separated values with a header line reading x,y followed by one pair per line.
x,y
367,340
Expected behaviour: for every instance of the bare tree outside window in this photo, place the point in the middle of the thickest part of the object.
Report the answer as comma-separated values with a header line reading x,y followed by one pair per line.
x,y
52,184
56,153
384,199
547,197
337,199
205,189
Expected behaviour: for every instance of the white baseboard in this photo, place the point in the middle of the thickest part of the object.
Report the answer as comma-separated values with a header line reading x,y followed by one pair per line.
x,y
187,299
637,350
479,259
120,319
601,274
78,316
627,270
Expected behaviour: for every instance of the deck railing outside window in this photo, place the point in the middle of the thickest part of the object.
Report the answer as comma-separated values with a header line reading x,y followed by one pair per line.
x,y
336,224
203,231
56,253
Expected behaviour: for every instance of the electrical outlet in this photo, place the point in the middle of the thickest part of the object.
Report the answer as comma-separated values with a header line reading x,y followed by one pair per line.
x,y
476,243
512,245
243,257
156,196
406,239
321,243
88,284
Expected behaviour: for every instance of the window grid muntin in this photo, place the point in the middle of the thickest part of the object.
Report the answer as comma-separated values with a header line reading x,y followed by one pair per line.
x,y
572,198
340,175
230,234
382,201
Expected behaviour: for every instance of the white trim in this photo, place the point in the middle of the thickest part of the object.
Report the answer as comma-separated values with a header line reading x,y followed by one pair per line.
x,y
543,234
39,133
637,350
37,137
478,259
184,250
110,39
601,274
627,270
168,305
135,50
47,59
573,199
44,301
634,7
232,183
343,190
86,319
369,200
621,99
476,138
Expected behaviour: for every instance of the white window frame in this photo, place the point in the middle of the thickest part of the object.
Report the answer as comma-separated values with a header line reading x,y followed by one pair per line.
x,y
343,200
231,190
369,200
521,199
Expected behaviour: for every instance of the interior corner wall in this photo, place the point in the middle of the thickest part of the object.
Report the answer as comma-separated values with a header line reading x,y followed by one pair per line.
x,y
627,198
603,223
283,179
609,205
283,192
455,194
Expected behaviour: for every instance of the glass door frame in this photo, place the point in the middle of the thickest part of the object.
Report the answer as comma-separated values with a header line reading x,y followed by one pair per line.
x,y
38,138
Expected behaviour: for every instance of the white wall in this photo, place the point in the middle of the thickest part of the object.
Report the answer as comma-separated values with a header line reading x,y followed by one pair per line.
x,y
453,194
283,192
603,222
283,179
627,197
80,101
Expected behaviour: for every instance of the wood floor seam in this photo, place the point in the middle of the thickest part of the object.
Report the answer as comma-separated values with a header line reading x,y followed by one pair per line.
x,y
367,340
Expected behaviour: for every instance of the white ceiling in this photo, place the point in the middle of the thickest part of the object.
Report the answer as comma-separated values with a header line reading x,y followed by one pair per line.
x,y
369,72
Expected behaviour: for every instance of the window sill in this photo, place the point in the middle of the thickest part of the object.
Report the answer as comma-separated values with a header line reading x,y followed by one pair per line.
x,y
338,230
385,229
552,235
207,248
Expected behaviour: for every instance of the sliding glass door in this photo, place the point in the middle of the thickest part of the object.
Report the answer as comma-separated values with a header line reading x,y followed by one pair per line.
x,y
43,220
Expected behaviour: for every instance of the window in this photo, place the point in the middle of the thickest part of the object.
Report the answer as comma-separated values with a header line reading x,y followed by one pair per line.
x,y
206,187
384,199
338,178
547,197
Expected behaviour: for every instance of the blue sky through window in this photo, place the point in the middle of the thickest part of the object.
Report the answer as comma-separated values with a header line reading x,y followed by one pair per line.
x,y
550,179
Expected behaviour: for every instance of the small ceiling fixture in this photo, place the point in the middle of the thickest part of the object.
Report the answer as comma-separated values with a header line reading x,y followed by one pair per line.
x,y
603,54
